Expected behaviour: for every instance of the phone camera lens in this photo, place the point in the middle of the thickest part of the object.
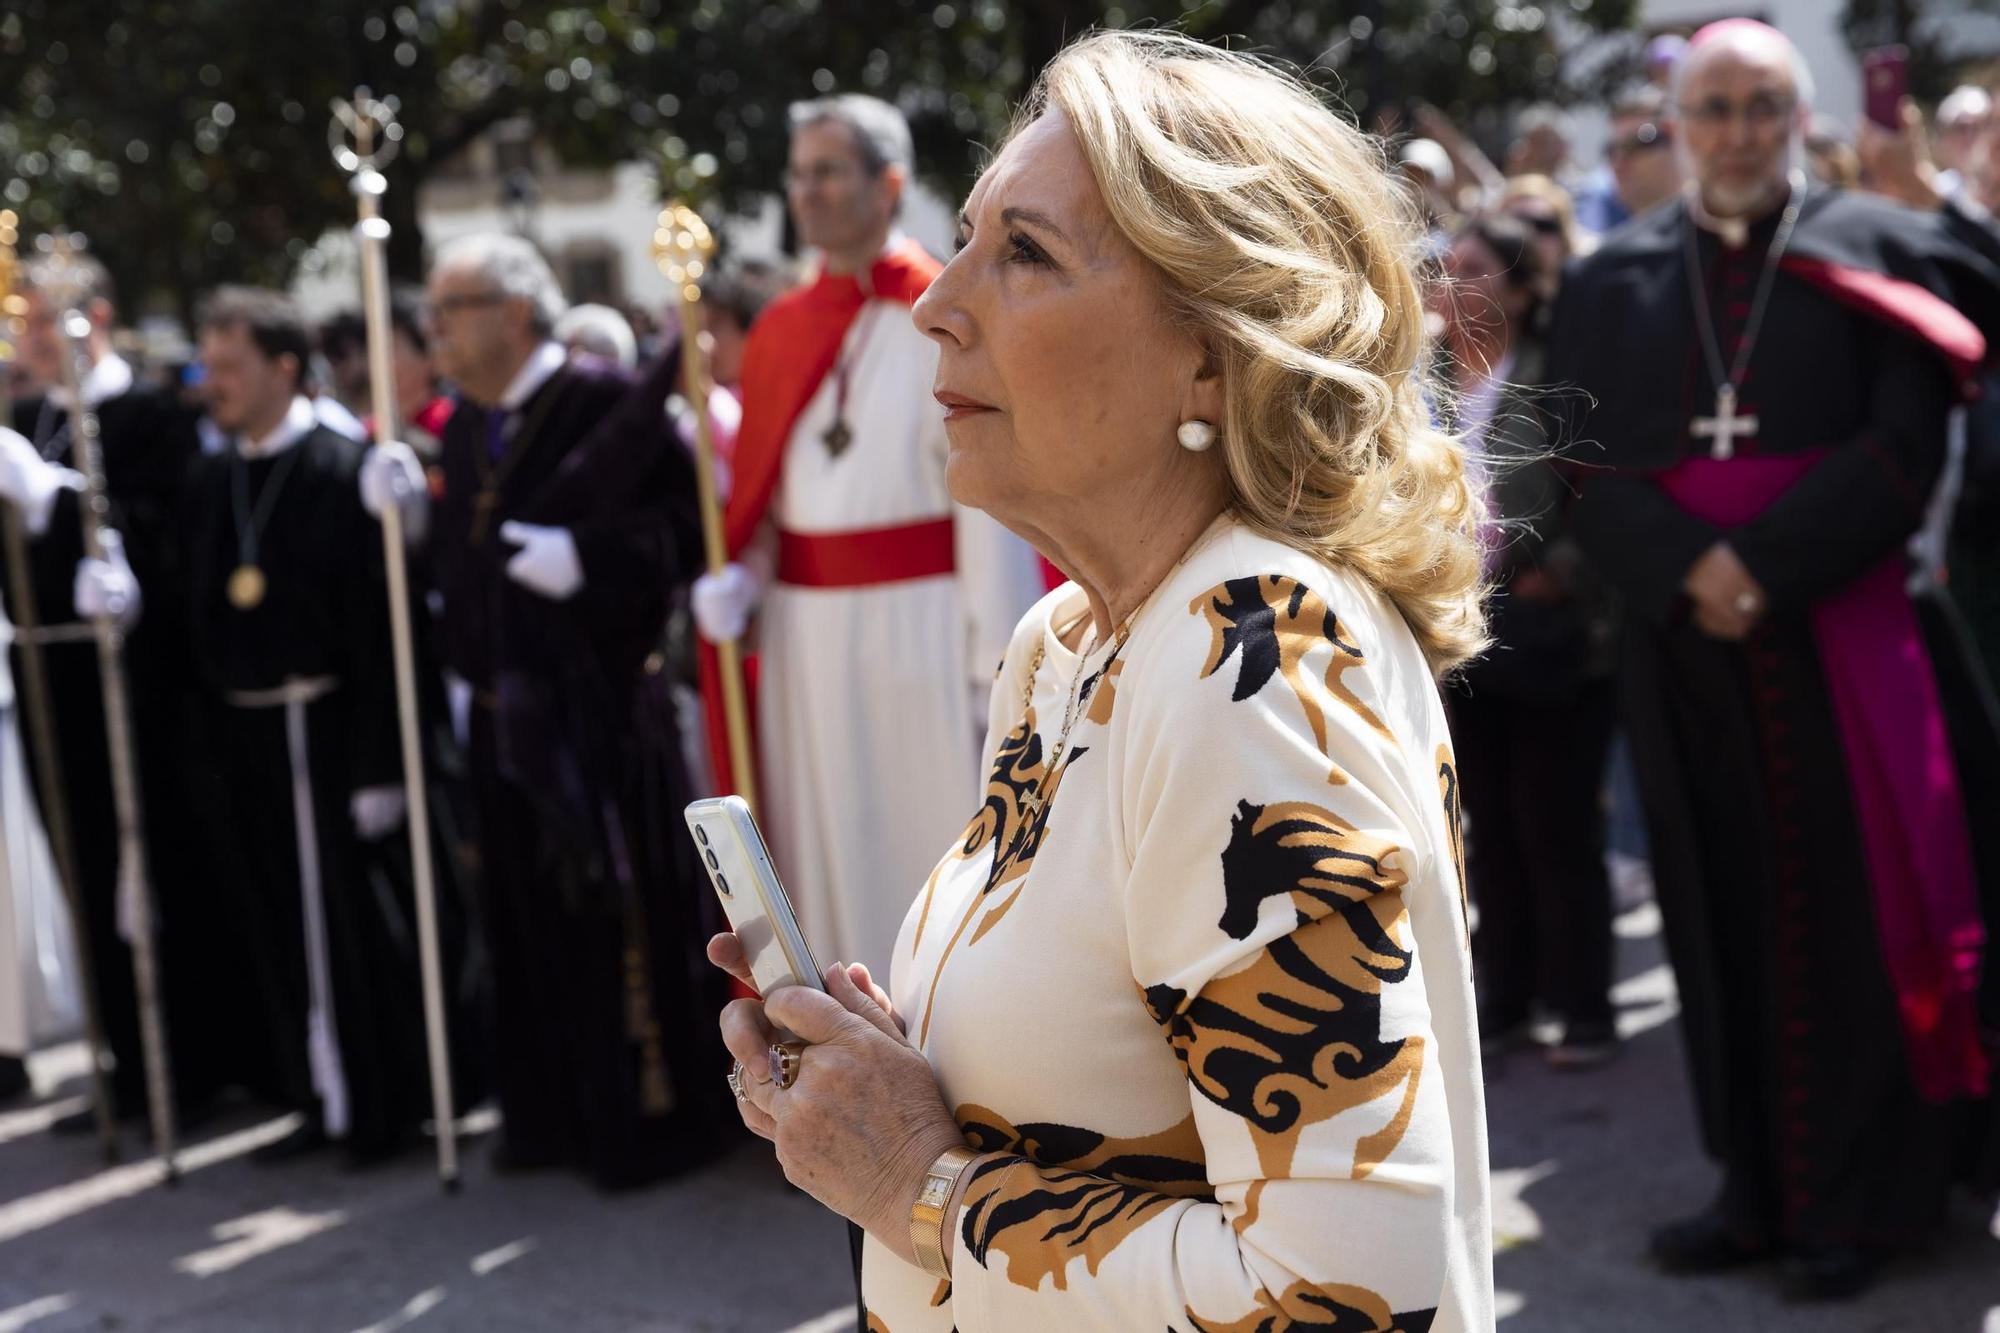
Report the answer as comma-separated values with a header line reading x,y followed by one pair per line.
x,y
713,864
721,884
701,834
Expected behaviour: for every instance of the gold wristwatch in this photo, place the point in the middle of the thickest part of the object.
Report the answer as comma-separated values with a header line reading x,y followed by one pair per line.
x,y
927,1214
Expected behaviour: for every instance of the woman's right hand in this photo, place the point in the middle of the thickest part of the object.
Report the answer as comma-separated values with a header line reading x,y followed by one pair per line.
x,y
726,952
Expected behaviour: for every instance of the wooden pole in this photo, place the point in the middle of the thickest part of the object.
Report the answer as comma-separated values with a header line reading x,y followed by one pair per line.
x,y
682,246
48,765
135,888
369,120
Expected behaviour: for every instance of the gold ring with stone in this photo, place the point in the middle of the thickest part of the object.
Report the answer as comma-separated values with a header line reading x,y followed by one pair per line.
x,y
785,1063
736,1082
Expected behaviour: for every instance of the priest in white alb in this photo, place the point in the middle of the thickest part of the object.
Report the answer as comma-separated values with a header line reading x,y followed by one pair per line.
x,y
880,609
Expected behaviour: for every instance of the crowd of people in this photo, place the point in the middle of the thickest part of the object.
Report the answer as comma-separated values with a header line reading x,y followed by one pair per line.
x,y
1730,482
546,480
1741,511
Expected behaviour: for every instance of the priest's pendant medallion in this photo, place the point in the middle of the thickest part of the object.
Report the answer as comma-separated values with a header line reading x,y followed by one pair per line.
x,y
838,437
246,587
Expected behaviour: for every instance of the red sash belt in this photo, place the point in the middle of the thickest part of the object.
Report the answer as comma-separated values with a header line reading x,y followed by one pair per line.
x,y
866,557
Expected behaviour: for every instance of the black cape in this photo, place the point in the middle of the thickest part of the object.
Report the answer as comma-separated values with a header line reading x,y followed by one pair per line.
x,y
148,440
598,916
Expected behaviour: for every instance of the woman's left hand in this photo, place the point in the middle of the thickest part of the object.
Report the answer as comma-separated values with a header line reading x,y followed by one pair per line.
x,y
864,1120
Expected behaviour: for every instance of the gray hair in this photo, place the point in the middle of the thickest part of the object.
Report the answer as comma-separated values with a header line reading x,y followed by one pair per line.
x,y
880,132
600,331
515,267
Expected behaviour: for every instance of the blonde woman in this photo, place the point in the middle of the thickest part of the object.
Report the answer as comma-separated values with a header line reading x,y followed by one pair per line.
x,y
1182,1030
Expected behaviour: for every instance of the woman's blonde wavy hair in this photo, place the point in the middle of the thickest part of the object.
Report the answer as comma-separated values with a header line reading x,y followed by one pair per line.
x,y
1289,248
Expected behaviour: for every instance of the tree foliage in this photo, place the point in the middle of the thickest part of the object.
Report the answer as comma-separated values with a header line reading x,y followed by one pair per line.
x,y
187,137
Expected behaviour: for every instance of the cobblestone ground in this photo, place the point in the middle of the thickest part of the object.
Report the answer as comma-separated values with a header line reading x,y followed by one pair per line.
x,y
1583,1164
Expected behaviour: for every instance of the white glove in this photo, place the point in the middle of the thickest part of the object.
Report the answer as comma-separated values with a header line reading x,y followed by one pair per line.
x,y
107,587
547,562
391,474
30,482
377,811
723,602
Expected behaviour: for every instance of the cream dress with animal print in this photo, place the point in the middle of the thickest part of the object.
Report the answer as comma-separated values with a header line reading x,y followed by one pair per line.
x,y
1213,1005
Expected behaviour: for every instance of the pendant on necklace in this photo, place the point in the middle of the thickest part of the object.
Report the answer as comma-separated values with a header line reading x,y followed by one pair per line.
x,y
838,437
246,587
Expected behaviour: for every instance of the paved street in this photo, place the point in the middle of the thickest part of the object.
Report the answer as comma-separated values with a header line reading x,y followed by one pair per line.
x,y
1582,1165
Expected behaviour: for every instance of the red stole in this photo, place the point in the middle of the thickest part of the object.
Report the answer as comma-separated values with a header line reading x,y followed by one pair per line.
x,y
1903,306
791,350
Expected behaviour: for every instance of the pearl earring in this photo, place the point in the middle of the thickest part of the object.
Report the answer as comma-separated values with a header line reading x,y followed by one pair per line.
x,y
1195,436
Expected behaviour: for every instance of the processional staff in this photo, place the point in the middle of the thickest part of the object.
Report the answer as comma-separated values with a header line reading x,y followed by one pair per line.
x,y
135,890
363,136
682,247
41,725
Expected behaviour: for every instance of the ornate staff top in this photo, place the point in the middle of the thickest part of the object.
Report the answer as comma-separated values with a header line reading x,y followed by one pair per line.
x,y
13,306
63,279
10,238
682,247
364,134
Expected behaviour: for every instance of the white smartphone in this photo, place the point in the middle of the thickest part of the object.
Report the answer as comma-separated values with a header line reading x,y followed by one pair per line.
x,y
759,910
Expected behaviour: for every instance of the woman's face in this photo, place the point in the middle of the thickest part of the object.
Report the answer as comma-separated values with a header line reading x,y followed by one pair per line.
x,y
1062,377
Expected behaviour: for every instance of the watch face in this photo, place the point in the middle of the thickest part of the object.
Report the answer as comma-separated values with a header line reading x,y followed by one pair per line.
x,y
936,1191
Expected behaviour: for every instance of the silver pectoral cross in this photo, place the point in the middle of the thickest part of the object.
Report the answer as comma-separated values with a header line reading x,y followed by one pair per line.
x,y
1723,429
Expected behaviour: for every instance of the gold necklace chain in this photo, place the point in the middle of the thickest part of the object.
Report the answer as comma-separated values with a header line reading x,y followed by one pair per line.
x,y
1073,712
1039,794
1081,687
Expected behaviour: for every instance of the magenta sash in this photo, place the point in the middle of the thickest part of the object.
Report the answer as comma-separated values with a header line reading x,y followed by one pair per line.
x,y
1900,770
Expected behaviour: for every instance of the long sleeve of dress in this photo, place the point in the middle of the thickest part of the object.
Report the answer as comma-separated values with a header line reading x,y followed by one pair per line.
x,y
1285,861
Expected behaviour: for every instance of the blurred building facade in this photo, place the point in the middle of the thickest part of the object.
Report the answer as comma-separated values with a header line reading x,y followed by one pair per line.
x,y
595,224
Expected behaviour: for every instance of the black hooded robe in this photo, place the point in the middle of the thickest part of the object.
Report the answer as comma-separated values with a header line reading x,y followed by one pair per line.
x,y
300,695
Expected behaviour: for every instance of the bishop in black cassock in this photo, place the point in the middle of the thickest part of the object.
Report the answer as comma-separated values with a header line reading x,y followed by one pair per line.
x,y
565,524
1810,842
